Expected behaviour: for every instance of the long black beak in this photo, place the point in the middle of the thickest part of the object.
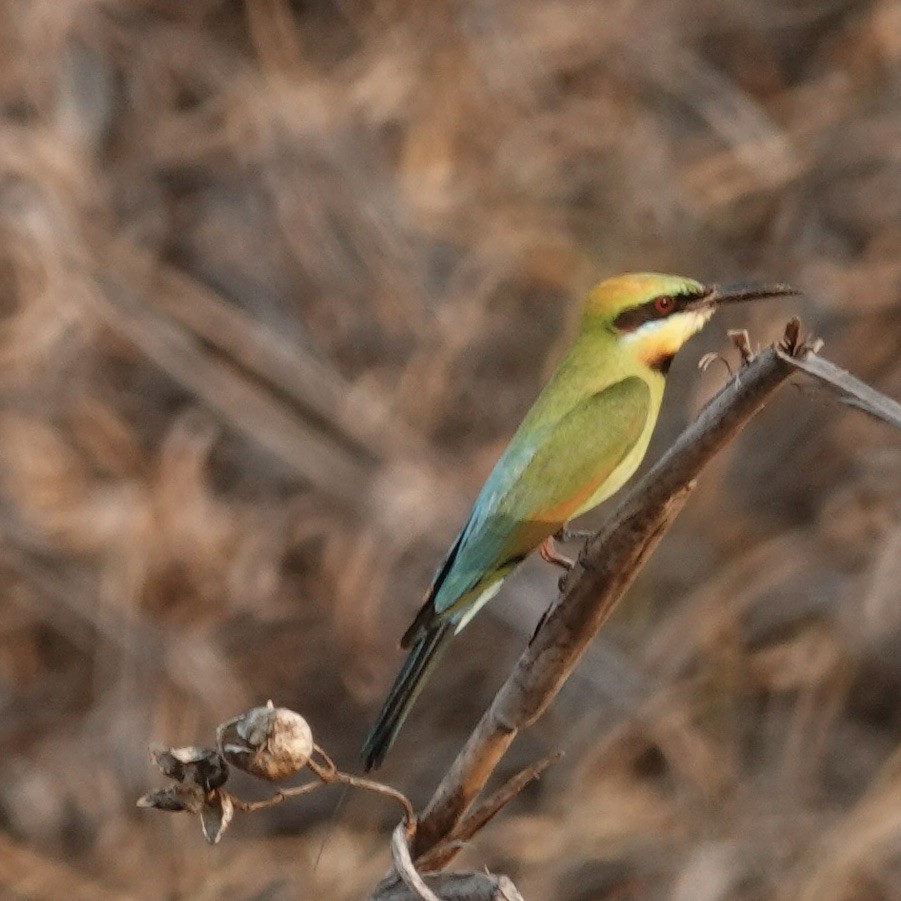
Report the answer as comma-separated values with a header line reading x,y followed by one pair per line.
x,y
741,291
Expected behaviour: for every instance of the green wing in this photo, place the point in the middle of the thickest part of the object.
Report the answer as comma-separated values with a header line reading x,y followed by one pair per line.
x,y
581,452
540,482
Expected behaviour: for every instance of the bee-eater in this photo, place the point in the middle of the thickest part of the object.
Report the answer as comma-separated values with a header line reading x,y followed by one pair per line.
x,y
580,442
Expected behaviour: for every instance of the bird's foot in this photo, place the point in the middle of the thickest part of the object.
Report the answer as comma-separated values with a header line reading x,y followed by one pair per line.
x,y
548,548
549,554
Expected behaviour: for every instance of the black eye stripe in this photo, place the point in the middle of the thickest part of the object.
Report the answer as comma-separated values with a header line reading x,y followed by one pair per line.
x,y
629,320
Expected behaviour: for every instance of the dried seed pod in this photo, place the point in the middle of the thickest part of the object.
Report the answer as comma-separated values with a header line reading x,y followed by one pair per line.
x,y
215,815
175,799
269,742
202,766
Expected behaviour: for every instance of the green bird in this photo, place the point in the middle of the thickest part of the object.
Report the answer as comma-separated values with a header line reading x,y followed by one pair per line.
x,y
580,442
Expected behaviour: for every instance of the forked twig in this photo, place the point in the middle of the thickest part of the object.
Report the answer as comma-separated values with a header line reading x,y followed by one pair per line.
x,y
475,821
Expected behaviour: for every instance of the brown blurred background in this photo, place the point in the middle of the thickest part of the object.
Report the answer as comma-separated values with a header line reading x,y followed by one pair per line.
x,y
277,281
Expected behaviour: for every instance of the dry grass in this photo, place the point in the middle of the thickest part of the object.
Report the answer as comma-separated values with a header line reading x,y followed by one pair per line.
x,y
277,280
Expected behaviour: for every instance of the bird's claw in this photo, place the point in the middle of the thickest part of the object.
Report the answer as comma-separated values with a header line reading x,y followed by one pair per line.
x,y
550,554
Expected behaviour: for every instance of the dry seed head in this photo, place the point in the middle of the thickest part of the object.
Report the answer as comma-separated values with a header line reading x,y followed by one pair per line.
x,y
269,742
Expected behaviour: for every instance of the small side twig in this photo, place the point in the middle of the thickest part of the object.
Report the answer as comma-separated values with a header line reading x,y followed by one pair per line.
x,y
387,791
476,820
281,794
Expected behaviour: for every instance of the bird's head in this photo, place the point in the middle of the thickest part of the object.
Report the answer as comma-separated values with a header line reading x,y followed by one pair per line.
x,y
654,315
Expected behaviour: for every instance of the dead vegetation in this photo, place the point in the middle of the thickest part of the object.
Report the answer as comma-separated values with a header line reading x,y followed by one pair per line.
x,y
276,282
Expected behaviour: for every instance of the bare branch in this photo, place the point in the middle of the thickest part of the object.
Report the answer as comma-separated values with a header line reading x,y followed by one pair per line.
x,y
604,571
850,390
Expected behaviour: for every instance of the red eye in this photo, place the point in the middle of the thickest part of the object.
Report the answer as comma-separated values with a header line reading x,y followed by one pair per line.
x,y
664,305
